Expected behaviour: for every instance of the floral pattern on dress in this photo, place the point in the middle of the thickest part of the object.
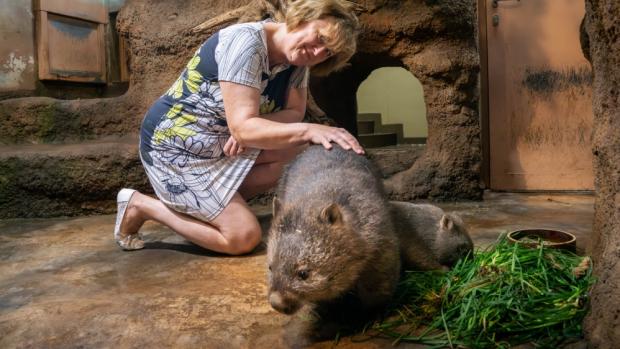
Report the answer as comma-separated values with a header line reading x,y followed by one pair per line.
x,y
179,188
179,155
175,124
207,101
267,106
190,77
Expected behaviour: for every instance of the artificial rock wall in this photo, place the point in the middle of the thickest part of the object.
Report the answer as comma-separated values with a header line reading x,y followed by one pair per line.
x,y
602,24
434,39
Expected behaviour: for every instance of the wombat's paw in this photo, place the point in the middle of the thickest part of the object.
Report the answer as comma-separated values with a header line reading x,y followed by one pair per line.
x,y
322,331
342,317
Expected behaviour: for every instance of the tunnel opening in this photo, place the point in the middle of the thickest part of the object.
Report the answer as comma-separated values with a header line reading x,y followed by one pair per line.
x,y
391,108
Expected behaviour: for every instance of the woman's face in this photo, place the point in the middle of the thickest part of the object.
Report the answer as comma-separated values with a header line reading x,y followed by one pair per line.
x,y
307,43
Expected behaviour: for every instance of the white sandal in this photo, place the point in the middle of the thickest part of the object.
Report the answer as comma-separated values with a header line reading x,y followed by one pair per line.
x,y
126,242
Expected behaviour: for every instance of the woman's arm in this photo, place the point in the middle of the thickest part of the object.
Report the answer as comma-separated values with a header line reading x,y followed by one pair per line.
x,y
294,111
249,129
241,105
295,107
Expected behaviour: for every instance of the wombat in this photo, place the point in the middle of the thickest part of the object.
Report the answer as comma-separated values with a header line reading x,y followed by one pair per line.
x,y
331,234
429,238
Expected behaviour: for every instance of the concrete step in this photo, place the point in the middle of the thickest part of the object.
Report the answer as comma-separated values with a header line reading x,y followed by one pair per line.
x,y
375,140
51,180
393,128
68,179
376,117
40,120
364,127
371,123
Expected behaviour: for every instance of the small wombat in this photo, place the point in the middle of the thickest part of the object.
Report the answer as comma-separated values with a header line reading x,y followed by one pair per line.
x,y
331,234
429,238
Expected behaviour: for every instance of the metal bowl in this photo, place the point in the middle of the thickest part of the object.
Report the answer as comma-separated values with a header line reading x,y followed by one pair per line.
x,y
550,238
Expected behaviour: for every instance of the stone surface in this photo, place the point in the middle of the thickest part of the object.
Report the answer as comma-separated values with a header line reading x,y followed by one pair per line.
x,y
396,158
45,180
65,284
602,24
160,46
48,180
434,40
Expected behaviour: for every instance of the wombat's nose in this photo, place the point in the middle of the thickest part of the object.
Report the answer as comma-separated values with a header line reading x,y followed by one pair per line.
x,y
280,304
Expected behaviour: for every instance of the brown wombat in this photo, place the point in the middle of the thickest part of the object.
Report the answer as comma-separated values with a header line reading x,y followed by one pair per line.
x,y
331,234
429,237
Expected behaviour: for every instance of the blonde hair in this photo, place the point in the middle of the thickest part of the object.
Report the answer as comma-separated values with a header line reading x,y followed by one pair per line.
x,y
342,37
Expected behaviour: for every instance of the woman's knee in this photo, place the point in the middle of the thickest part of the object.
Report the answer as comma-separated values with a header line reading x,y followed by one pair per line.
x,y
280,155
244,240
239,227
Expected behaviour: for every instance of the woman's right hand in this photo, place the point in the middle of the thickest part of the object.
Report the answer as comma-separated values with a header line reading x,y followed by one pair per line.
x,y
322,134
232,147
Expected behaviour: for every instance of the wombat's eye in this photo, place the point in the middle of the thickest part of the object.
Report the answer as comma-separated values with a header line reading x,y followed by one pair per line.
x,y
302,274
270,268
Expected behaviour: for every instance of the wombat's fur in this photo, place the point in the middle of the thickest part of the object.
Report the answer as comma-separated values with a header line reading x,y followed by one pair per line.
x,y
429,238
331,234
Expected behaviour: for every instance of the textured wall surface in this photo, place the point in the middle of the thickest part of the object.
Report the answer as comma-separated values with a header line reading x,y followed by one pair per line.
x,y
434,40
17,71
602,25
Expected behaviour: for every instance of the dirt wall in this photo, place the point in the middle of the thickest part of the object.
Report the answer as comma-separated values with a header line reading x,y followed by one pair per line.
x,y
602,25
434,40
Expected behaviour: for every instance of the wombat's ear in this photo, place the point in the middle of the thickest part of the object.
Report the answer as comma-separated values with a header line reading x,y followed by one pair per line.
x,y
446,222
275,205
331,214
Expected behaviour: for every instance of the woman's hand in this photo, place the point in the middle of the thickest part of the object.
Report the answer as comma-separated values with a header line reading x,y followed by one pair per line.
x,y
321,134
232,148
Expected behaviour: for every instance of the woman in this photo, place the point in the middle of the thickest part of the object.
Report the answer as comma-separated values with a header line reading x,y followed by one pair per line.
x,y
224,130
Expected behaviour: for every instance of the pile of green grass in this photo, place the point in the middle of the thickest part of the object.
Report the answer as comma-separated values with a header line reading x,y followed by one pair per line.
x,y
504,296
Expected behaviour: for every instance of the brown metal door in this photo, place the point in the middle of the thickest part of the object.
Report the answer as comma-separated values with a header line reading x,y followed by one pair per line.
x,y
540,98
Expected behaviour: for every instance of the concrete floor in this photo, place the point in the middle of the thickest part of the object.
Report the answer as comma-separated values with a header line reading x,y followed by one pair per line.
x,y
65,284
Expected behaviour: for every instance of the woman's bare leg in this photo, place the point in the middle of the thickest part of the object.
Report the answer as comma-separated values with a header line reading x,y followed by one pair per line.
x,y
234,231
267,170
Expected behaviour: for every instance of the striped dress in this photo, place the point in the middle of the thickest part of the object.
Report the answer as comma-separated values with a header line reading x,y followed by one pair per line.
x,y
184,132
